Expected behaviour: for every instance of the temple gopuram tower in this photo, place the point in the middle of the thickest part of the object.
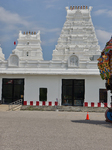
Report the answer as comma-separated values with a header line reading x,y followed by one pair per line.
x,y
77,36
29,46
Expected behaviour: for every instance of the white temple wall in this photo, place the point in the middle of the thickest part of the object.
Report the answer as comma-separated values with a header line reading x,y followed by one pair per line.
x,y
92,86
53,83
34,83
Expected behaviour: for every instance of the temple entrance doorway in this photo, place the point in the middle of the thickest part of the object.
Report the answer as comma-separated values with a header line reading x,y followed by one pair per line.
x,y
12,90
73,92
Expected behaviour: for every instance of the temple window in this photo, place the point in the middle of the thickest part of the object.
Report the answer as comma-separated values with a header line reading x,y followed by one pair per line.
x,y
27,54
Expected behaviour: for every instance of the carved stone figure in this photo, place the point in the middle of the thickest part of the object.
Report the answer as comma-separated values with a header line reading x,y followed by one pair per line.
x,y
13,60
73,61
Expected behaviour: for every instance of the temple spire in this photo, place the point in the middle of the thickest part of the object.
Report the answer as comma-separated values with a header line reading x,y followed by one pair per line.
x,y
77,35
29,46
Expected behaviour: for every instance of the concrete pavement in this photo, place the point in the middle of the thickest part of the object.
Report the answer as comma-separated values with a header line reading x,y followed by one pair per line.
x,y
44,130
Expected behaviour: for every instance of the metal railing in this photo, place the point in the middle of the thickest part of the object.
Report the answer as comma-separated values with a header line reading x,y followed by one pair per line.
x,y
15,104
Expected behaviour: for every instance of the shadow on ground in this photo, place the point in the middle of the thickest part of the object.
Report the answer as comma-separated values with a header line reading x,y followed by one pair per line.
x,y
94,122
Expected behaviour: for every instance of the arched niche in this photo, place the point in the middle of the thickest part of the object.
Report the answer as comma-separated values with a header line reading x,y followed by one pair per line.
x,y
73,61
13,60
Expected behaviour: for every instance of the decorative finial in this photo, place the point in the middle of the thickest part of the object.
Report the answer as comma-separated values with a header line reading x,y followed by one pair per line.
x,y
70,7
20,33
66,8
90,8
38,32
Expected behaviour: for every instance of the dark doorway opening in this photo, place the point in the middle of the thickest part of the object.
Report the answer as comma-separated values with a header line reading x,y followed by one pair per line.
x,y
43,94
103,95
12,90
73,92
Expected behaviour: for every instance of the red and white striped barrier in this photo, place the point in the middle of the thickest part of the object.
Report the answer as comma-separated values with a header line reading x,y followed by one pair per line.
x,y
50,103
41,103
92,104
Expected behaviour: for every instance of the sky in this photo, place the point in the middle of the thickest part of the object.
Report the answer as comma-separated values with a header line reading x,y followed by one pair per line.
x,y
48,16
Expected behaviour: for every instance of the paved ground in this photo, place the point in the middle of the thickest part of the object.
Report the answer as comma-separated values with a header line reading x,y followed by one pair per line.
x,y
44,130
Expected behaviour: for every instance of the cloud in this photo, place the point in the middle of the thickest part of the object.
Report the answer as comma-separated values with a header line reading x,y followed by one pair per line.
x,y
109,13
11,23
49,6
103,36
27,0
100,12
49,41
52,40
50,1
45,30
43,43
54,30
10,18
4,38
103,12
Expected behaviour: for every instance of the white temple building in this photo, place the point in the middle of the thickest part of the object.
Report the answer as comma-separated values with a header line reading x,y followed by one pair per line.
x,y
70,78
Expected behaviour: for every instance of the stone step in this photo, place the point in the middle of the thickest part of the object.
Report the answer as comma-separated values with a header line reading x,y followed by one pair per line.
x,y
3,107
17,108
